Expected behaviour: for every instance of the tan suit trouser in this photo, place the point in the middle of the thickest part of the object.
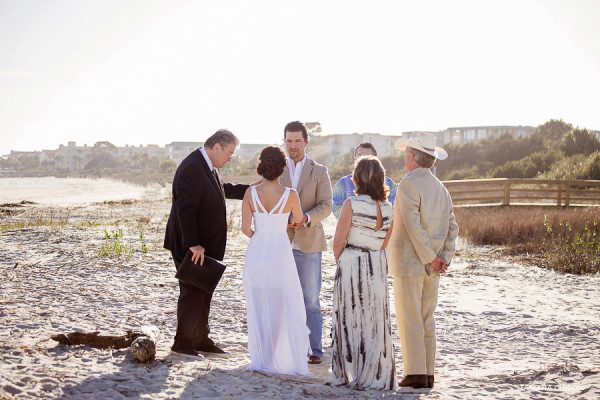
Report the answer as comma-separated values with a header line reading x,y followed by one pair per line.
x,y
416,299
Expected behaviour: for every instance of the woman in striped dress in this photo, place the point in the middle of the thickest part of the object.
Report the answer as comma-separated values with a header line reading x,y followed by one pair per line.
x,y
363,352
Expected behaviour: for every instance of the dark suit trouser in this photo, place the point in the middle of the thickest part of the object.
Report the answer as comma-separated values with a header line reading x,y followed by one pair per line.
x,y
193,307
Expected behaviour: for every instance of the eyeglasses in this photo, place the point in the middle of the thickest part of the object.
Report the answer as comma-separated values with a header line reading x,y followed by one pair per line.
x,y
230,154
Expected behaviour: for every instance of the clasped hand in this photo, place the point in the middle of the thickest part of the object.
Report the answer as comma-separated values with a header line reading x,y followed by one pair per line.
x,y
439,265
298,224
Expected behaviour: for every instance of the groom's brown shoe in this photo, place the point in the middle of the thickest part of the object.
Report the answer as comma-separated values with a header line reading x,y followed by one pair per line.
x,y
414,381
314,360
430,381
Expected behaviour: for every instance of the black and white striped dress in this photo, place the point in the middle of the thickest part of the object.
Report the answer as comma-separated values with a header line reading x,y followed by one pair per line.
x,y
363,352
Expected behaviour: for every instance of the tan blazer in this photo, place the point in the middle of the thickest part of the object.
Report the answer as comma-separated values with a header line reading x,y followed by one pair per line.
x,y
314,189
424,224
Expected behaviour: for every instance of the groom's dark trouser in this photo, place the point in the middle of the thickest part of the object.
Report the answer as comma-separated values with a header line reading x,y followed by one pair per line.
x,y
193,308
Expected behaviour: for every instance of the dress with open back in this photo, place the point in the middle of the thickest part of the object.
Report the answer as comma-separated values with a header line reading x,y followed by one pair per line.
x,y
361,329
277,332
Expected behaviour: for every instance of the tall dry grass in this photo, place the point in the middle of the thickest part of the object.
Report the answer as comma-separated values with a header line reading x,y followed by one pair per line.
x,y
567,239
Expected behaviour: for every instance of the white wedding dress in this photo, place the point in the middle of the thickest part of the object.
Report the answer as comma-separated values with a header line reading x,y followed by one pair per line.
x,y
277,332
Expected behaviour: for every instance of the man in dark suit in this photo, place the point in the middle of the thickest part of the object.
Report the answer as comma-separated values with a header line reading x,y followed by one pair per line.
x,y
198,223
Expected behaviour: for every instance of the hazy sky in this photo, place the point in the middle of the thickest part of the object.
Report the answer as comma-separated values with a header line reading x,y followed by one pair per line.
x,y
140,72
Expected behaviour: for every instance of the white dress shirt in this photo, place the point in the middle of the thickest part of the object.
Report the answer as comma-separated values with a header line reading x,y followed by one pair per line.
x,y
295,170
210,166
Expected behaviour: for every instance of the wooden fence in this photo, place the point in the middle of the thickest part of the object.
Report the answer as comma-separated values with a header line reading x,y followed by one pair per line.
x,y
507,191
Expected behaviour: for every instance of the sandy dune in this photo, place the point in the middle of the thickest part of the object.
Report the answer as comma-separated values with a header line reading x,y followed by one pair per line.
x,y
505,330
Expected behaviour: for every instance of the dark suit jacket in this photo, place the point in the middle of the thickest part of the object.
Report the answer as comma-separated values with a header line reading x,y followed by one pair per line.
x,y
198,215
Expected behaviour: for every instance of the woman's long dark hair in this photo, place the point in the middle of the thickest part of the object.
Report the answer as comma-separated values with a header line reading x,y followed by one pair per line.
x,y
369,178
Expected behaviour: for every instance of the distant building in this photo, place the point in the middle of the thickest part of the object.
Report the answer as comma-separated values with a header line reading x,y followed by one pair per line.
x,y
466,134
18,154
76,157
70,156
338,145
439,136
177,151
249,150
153,150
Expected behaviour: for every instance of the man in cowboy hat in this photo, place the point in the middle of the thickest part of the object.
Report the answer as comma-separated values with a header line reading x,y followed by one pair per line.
x,y
421,246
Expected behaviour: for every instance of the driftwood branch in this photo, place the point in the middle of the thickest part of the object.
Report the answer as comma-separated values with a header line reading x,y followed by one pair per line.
x,y
95,340
142,344
143,348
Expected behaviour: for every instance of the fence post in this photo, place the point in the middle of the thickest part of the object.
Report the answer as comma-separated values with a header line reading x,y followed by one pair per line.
x,y
506,193
567,194
559,197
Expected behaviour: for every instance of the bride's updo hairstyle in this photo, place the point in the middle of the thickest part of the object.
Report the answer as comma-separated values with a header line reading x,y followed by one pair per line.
x,y
271,162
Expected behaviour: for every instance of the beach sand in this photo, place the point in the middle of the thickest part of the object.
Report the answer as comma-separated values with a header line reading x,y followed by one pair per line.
x,y
505,330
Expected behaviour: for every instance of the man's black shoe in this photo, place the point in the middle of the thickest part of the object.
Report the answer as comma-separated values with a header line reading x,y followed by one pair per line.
x,y
186,353
212,350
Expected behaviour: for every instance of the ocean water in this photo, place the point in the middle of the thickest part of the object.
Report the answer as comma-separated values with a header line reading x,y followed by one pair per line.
x,y
74,191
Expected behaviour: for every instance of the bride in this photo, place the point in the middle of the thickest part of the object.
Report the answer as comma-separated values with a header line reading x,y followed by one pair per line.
x,y
277,332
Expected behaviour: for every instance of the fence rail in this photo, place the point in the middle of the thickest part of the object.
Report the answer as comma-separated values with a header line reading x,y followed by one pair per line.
x,y
508,191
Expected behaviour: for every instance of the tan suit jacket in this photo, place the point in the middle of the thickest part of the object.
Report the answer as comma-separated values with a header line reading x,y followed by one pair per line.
x,y
424,224
314,189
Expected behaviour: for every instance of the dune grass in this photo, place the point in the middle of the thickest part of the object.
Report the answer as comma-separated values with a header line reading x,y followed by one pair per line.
x,y
34,221
565,239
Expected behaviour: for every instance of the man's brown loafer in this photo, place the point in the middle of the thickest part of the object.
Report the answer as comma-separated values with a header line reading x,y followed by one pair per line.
x,y
314,360
414,381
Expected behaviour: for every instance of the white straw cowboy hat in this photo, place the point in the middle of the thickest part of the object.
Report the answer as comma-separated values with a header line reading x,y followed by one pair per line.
x,y
424,142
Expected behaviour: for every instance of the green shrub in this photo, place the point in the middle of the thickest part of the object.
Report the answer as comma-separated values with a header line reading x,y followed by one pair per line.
x,y
527,167
394,166
114,234
167,166
580,141
483,155
342,167
565,239
574,252
578,166
114,248
90,222
471,172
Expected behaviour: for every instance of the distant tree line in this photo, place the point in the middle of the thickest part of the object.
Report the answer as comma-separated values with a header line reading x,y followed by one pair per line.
x,y
555,150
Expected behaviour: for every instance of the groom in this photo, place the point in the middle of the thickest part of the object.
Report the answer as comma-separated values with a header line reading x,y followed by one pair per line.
x,y
198,223
311,181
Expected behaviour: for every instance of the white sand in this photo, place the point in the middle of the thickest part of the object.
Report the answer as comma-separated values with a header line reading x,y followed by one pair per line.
x,y
504,330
